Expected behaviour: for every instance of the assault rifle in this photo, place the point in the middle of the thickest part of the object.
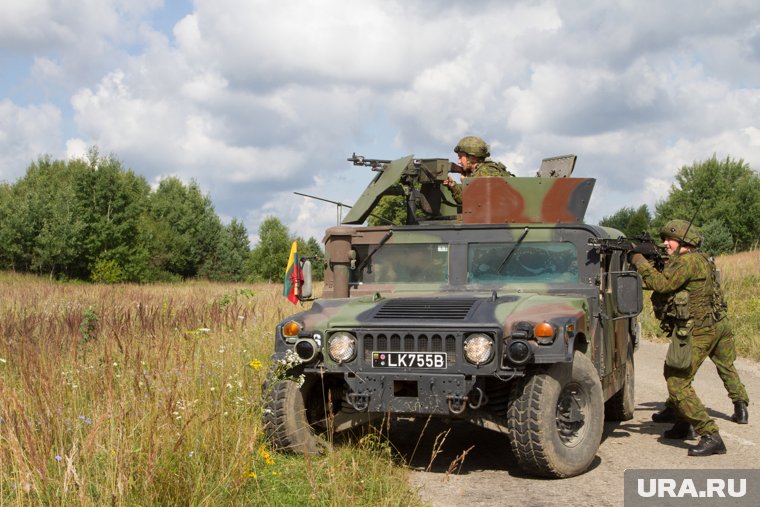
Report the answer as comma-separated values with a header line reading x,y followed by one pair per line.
x,y
641,243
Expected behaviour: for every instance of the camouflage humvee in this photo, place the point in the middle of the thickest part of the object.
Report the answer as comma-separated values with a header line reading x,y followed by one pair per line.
x,y
502,313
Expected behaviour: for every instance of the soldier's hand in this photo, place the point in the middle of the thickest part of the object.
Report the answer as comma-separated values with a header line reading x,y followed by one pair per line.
x,y
449,182
637,259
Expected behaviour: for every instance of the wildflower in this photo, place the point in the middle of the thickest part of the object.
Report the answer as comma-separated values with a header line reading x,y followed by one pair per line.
x,y
251,474
2,360
58,457
275,473
190,454
265,455
255,364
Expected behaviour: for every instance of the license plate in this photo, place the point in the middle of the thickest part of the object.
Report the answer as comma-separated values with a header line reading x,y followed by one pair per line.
x,y
425,360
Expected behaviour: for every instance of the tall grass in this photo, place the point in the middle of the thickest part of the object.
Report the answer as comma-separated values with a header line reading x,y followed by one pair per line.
x,y
151,395
740,279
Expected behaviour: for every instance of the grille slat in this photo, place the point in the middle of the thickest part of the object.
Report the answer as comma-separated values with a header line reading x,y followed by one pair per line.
x,y
441,309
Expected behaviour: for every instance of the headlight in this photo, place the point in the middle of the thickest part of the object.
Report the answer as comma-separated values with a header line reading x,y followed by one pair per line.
x,y
478,348
307,349
342,347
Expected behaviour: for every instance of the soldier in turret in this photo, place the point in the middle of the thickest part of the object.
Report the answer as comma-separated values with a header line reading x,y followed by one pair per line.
x,y
473,153
687,284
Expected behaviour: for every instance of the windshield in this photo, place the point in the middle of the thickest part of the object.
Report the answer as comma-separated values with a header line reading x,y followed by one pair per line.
x,y
529,263
408,263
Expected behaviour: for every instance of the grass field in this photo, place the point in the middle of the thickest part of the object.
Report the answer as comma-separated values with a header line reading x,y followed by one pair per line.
x,y
151,395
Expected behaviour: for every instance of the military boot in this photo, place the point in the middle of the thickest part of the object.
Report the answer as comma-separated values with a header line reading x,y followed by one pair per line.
x,y
741,416
708,445
681,430
667,414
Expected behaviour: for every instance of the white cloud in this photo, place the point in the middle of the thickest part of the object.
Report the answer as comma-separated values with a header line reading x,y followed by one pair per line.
x,y
257,99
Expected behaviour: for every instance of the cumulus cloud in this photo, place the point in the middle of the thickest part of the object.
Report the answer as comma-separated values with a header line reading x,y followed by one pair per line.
x,y
255,100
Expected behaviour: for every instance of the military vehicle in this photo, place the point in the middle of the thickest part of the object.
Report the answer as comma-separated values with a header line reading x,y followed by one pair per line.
x,y
505,312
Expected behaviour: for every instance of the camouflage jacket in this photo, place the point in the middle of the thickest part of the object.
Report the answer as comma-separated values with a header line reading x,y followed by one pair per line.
x,y
485,168
688,272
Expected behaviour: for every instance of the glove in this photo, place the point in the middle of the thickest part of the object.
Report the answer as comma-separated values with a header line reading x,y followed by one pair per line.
x,y
637,259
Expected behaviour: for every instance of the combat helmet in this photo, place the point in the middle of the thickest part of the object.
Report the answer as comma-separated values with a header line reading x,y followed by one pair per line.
x,y
472,145
681,231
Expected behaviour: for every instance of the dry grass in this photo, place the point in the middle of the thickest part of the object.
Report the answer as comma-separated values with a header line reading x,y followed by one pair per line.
x,y
151,395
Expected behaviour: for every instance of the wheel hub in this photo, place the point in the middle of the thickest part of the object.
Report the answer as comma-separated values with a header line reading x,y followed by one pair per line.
x,y
571,414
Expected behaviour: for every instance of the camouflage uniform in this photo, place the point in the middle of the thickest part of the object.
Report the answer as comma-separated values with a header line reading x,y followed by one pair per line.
x,y
690,273
485,168
724,355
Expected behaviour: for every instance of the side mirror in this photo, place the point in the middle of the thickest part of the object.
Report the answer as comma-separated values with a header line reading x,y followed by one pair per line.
x,y
626,292
305,290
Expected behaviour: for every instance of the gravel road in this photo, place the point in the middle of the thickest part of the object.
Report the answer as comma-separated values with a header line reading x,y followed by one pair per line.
x,y
485,473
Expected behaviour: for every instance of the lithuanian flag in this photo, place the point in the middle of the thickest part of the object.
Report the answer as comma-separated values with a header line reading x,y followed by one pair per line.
x,y
292,275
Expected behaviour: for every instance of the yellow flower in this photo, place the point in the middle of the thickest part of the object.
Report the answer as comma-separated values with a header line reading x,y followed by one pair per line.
x,y
265,455
255,364
251,475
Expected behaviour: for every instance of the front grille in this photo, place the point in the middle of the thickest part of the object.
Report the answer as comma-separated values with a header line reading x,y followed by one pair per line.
x,y
410,341
425,309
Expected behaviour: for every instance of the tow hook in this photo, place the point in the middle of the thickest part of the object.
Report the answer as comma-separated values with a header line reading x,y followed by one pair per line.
x,y
457,404
482,399
360,401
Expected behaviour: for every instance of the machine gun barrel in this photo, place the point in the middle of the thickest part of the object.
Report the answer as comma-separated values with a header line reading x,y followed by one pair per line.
x,y
375,163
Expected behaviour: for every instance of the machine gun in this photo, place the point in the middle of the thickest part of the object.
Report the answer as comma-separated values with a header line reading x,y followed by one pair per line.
x,y
419,181
641,243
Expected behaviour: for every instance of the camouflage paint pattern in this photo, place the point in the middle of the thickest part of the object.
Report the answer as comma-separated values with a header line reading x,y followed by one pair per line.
x,y
526,214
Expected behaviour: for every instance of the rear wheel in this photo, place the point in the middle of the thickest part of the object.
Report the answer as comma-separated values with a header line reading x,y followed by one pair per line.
x,y
556,417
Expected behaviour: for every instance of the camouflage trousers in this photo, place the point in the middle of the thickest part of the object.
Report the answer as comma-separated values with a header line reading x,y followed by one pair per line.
x,y
723,354
681,393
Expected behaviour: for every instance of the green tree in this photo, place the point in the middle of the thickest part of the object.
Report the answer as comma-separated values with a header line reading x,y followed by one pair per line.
x,y
269,258
113,201
229,259
312,248
182,229
390,209
717,237
727,190
629,221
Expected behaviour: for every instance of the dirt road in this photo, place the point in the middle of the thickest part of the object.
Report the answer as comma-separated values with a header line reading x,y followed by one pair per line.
x,y
489,475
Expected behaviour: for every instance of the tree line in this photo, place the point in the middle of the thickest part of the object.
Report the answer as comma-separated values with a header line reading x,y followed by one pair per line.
x,y
721,197
92,219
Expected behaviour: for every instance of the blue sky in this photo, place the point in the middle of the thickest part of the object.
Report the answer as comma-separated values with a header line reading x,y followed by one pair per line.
x,y
255,99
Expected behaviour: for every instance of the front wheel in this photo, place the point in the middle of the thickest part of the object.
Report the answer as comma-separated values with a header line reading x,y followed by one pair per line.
x,y
288,418
556,418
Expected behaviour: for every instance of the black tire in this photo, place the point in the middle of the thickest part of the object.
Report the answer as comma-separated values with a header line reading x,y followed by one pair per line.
x,y
623,403
556,417
286,417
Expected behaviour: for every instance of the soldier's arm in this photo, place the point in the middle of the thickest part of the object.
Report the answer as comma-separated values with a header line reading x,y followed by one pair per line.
x,y
673,277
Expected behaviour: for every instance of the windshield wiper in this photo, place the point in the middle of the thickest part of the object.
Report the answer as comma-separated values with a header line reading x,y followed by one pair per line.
x,y
373,252
514,249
